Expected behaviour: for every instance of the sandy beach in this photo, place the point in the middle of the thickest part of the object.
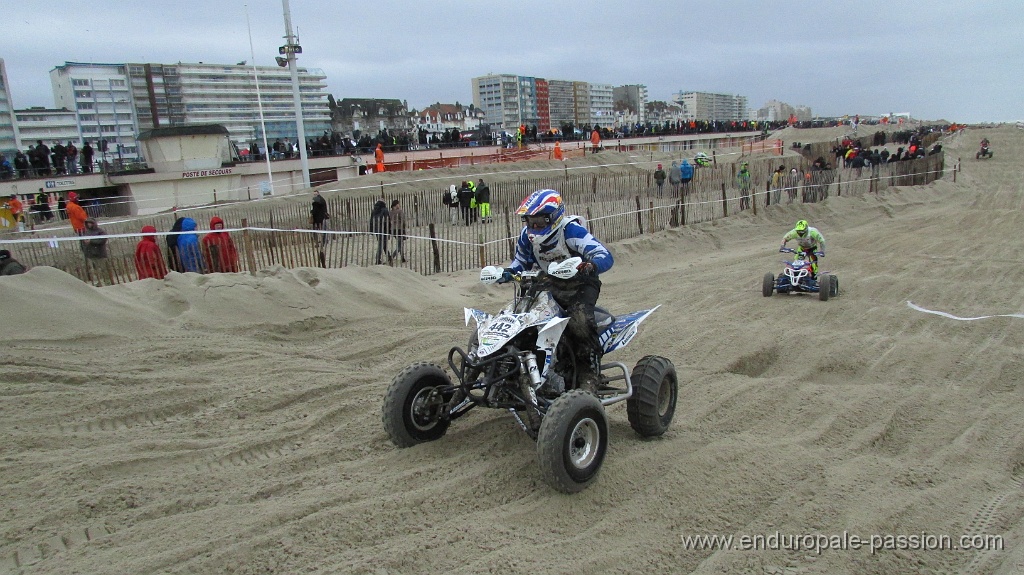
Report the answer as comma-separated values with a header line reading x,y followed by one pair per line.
x,y
232,423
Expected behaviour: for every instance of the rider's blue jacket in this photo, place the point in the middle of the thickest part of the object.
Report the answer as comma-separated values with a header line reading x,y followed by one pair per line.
x,y
571,240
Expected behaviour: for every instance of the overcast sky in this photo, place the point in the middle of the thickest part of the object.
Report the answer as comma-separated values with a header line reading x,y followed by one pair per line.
x,y
944,59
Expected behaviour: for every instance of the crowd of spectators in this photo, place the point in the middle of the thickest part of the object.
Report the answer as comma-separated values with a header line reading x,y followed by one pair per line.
x,y
41,161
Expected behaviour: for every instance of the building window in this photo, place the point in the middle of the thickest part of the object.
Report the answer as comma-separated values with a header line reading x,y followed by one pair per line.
x,y
79,82
85,105
83,94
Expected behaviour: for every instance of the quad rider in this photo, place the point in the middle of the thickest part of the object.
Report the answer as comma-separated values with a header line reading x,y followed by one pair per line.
x,y
810,240
549,235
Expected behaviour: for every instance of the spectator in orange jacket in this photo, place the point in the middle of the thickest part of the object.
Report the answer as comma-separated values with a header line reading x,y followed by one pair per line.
x,y
218,249
149,262
558,152
595,140
76,213
378,154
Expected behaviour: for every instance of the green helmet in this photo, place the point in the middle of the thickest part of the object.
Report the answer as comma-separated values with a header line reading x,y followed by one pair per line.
x,y
801,228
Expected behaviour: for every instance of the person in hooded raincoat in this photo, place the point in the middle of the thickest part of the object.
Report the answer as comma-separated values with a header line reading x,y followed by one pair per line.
x,y
219,250
189,251
173,257
149,262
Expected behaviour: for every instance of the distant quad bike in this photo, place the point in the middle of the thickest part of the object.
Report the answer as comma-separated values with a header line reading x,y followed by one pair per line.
x,y
518,360
984,152
796,278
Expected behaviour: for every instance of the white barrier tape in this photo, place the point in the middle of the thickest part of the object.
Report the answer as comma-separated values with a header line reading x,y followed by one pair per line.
x,y
912,305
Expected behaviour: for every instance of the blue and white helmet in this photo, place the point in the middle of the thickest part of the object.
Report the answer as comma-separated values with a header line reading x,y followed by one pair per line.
x,y
543,214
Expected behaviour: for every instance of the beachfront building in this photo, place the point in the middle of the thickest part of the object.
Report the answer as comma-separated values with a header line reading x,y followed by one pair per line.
x,y
120,100
509,101
708,106
630,103
369,115
49,126
774,110
440,117
601,105
561,103
9,142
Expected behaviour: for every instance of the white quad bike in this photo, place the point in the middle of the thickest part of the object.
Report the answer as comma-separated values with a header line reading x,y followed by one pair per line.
x,y
518,360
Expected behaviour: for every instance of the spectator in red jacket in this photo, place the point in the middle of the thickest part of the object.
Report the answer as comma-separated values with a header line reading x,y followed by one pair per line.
x,y
149,262
218,249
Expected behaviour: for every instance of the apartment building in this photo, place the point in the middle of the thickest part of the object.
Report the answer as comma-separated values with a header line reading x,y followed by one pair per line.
x,y
9,143
602,105
634,98
117,101
709,106
48,126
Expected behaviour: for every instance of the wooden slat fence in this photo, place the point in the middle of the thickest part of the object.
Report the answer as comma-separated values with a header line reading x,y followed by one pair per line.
x,y
616,206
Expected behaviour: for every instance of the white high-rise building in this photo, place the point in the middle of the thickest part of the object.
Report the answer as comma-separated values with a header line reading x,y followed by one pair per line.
x,y
709,106
9,141
117,101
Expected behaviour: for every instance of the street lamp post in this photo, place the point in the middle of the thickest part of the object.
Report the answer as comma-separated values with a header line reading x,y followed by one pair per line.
x,y
290,50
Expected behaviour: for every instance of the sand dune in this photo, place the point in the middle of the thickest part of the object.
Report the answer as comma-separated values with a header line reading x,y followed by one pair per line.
x,y
231,423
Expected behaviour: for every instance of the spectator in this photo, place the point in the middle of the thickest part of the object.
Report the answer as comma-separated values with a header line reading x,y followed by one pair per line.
x,y
95,250
21,165
76,213
452,201
379,226
673,177
219,250
483,201
378,155
42,158
189,250
685,176
319,212
60,158
595,140
659,178
149,263
17,211
466,201
8,265
558,152
6,168
793,185
777,183
173,256
62,208
42,206
743,184
87,153
397,216
72,158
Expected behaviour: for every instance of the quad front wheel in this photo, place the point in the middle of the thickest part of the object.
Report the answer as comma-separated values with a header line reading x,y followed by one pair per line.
x,y
768,285
655,389
414,405
572,441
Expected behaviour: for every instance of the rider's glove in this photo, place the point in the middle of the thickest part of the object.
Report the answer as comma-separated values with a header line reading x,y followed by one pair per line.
x,y
782,248
820,254
506,276
586,268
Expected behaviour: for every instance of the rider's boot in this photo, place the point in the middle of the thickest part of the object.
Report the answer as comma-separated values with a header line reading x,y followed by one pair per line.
x,y
588,374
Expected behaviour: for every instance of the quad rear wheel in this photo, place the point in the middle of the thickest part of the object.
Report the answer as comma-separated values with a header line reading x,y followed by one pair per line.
x,y
768,285
655,390
824,286
572,441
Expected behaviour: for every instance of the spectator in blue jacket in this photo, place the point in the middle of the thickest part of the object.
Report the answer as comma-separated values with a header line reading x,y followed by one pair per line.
x,y
685,175
189,250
